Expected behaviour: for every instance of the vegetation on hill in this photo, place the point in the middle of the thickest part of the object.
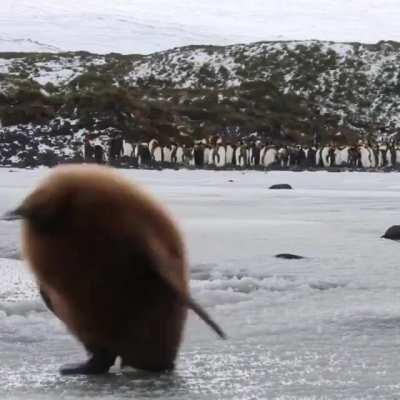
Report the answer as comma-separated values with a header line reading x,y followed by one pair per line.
x,y
282,91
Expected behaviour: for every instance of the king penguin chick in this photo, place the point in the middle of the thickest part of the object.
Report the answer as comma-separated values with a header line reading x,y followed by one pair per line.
x,y
110,263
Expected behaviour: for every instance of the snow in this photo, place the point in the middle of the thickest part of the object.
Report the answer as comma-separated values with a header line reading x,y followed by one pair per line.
x,y
181,66
62,71
58,71
146,26
5,65
325,327
25,45
343,50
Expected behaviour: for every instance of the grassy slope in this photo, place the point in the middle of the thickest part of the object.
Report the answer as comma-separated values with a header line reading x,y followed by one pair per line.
x,y
281,90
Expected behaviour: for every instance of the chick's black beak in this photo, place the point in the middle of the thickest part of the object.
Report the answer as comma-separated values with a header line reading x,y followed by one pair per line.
x,y
12,215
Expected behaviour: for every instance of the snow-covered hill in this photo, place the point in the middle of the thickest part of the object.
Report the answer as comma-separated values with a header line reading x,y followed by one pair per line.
x,y
145,26
25,45
283,91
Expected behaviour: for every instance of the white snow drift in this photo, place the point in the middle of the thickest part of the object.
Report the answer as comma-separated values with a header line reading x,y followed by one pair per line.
x,y
145,26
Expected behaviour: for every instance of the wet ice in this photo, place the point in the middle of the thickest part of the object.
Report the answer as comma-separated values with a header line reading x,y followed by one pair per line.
x,y
327,326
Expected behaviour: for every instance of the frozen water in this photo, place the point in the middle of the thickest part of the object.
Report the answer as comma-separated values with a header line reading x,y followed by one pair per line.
x,y
325,327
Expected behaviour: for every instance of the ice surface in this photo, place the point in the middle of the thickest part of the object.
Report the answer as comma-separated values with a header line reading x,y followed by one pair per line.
x,y
145,26
325,327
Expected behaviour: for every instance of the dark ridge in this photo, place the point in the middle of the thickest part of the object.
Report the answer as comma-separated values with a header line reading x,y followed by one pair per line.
x,y
288,256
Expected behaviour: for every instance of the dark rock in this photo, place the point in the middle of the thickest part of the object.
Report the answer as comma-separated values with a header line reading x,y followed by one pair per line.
x,y
392,233
331,169
288,256
281,186
326,285
231,180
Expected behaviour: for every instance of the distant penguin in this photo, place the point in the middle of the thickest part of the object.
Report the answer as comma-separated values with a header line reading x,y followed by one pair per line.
x,y
144,155
366,159
174,149
153,144
342,157
269,156
155,151
157,154
215,156
110,263
198,155
128,149
311,157
99,154
324,154
383,150
180,154
229,155
167,154
116,148
207,155
88,149
221,156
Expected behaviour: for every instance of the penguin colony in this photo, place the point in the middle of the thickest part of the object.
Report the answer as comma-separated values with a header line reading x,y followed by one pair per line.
x,y
110,263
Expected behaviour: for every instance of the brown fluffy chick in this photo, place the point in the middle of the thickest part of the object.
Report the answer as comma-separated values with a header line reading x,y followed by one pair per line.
x,y
110,263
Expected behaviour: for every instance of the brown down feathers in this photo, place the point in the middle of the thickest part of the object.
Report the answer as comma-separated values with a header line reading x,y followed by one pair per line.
x,y
112,263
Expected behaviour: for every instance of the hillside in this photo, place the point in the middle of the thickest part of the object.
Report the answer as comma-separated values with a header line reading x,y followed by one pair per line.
x,y
148,26
283,91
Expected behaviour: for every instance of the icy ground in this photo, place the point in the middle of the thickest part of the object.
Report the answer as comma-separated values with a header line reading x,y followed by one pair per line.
x,y
326,327
145,26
